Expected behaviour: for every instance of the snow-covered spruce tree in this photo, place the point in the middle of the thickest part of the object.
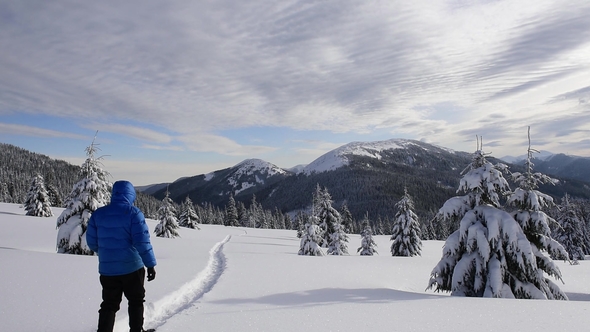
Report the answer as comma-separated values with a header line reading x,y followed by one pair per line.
x,y
535,224
330,222
91,192
347,220
52,192
242,214
255,214
310,238
406,229
167,216
279,220
37,202
379,227
188,216
368,245
570,233
428,230
231,213
489,255
338,241
300,220
4,194
582,210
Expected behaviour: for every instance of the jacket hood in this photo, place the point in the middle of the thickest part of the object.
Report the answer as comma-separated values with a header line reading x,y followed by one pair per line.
x,y
123,191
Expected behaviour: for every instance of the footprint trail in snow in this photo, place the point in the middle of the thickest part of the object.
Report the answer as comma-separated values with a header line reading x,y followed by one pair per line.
x,y
158,313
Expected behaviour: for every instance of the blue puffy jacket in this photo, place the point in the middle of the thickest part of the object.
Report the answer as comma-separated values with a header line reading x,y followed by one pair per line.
x,y
119,234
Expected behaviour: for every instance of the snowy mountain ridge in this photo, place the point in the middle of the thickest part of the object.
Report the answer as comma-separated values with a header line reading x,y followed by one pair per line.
x,y
341,156
247,176
361,174
252,172
557,165
250,166
542,155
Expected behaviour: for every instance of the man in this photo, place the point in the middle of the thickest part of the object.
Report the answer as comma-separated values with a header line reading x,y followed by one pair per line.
x,y
120,236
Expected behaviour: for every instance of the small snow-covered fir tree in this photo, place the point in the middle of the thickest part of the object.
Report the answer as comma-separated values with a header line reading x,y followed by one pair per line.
x,y
347,220
4,194
231,213
582,209
37,202
167,216
188,216
570,233
300,220
489,255
379,227
54,195
535,224
428,231
91,192
406,229
338,241
310,238
368,245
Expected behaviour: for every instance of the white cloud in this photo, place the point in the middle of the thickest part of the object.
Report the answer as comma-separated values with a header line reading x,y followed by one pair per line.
x,y
203,142
336,66
15,129
142,134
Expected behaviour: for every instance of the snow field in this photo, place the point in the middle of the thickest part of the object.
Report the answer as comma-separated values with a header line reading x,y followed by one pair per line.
x,y
157,313
255,281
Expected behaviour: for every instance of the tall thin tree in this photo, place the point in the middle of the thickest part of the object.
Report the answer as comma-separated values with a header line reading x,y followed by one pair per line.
x,y
570,233
530,203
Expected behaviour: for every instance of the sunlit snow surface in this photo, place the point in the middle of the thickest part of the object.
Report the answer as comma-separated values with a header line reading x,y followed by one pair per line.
x,y
241,279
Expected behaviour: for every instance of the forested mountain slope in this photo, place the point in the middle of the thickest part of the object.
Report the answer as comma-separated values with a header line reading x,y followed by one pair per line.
x,y
18,166
369,177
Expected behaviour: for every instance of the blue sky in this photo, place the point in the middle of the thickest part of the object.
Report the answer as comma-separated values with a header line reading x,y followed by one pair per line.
x,y
182,87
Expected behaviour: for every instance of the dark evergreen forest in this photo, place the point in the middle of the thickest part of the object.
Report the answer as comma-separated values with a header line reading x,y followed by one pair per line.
x,y
19,166
367,187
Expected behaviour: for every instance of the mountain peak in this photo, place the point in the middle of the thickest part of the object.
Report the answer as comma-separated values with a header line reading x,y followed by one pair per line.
x,y
253,165
340,156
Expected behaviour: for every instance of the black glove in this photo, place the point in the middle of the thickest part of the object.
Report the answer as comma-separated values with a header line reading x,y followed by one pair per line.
x,y
151,273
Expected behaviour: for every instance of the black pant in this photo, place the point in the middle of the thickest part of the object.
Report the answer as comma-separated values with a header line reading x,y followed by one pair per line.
x,y
113,287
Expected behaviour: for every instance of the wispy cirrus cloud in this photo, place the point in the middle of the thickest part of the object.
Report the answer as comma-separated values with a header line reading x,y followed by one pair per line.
x,y
16,129
203,142
140,133
426,70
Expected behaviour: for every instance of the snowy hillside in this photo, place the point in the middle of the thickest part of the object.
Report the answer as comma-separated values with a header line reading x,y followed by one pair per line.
x,y
341,156
242,279
251,172
247,176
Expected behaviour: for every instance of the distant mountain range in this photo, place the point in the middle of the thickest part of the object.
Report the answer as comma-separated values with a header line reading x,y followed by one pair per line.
x,y
542,155
369,177
558,165
366,176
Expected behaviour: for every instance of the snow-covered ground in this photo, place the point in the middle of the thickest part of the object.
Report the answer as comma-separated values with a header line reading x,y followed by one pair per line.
x,y
241,279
